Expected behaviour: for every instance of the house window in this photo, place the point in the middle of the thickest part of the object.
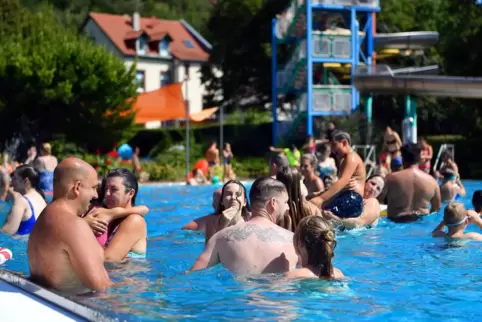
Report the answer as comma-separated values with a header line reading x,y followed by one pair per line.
x,y
165,79
164,48
141,45
140,81
188,44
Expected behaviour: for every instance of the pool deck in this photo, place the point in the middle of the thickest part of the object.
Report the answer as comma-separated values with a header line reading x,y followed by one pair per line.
x,y
22,300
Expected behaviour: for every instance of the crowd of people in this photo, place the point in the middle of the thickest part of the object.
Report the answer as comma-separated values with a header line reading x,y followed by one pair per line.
x,y
288,225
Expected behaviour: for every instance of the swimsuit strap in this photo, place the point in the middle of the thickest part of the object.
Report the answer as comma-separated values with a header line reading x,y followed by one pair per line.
x,y
31,206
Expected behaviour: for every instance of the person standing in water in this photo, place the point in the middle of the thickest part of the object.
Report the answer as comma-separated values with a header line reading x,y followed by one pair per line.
x,y
62,250
259,245
314,242
451,188
28,201
426,155
411,191
312,182
339,198
456,218
46,164
326,164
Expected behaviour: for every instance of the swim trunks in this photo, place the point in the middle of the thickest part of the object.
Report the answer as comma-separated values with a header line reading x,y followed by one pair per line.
x,y
348,204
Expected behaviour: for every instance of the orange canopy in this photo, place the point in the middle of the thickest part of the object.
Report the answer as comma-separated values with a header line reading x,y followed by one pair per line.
x,y
165,104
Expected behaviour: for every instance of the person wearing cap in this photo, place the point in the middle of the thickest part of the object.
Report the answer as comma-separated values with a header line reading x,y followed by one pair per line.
x,y
411,193
451,188
456,218
46,164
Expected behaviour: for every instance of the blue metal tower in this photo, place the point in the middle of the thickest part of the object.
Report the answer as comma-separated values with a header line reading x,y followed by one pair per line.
x,y
305,26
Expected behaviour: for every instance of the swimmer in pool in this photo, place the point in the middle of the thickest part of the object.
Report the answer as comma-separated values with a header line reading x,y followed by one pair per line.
x,y
46,164
339,199
451,186
197,178
411,192
314,242
371,207
62,251
231,208
258,246
312,182
28,201
456,218
279,160
129,235
448,163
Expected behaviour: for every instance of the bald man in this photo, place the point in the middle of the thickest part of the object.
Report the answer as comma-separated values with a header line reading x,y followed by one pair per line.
x,y
62,250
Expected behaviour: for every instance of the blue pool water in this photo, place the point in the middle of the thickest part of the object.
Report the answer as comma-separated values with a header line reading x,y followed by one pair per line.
x,y
396,272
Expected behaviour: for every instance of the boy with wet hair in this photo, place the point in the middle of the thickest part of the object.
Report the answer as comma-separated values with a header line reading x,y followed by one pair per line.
x,y
456,218
342,201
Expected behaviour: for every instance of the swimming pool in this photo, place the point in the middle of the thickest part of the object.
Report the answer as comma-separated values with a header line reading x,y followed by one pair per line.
x,y
396,272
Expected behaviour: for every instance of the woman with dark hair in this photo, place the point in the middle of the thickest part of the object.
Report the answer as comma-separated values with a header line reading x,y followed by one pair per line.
x,y
28,201
299,207
129,235
232,208
100,218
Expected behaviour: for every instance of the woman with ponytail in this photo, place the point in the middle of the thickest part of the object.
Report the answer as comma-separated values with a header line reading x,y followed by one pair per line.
x,y
314,242
28,201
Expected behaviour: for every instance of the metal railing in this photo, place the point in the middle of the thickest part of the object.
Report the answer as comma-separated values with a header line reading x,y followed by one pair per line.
x,y
369,156
444,147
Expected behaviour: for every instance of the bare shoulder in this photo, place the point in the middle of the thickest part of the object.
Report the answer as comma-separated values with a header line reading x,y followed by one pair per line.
x,y
337,273
134,220
268,234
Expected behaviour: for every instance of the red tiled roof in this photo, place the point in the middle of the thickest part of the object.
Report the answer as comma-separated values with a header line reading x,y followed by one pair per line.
x,y
119,29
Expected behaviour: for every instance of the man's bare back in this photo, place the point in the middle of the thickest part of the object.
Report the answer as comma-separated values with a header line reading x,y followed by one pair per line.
x,y
256,247
412,191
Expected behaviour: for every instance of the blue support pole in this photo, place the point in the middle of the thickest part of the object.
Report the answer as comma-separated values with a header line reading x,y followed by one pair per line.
x,y
369,99
354,54
309,70
274,81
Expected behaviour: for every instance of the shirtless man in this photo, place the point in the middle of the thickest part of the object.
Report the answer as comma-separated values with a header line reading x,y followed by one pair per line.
x,y
342,200
259,245
278,160
451,186
456,218
411,191
212,154
62,250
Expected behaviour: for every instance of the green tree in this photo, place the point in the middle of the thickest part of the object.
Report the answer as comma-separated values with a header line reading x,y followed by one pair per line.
x,y
53,83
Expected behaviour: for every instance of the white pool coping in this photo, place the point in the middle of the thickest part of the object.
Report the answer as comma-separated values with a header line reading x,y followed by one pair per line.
x,y
23,300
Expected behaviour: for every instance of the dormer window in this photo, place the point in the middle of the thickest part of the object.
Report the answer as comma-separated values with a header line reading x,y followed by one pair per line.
x,y
164,47
141,45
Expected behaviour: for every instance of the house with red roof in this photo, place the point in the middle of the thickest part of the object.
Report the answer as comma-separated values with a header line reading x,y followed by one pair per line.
x,y
167,51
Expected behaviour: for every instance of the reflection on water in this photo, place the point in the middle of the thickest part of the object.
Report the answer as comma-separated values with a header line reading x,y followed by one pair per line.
x,y
395,272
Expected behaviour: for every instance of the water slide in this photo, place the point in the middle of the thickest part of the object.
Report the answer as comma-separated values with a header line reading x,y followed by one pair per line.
x,y
22,300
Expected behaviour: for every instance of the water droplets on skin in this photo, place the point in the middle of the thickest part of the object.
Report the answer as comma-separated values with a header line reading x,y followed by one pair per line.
x,y
395,272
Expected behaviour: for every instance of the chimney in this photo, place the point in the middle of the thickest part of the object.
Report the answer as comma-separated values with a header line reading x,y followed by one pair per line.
x,y
136,21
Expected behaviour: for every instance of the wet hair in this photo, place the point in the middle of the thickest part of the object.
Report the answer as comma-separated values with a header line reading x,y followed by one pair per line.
x,y
311,159
101,191
265,188
279,159
410,154
291,178
246,209
318,238
477,200
28,172
339,136
129,180
454,212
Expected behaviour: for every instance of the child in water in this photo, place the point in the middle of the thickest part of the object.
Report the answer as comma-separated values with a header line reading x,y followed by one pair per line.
x,y
456,218
339,198
314,242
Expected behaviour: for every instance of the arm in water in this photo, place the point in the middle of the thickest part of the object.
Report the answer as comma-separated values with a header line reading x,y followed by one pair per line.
x,y
209,256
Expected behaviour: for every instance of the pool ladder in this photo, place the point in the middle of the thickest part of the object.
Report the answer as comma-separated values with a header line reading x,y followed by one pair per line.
x,y
369,156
